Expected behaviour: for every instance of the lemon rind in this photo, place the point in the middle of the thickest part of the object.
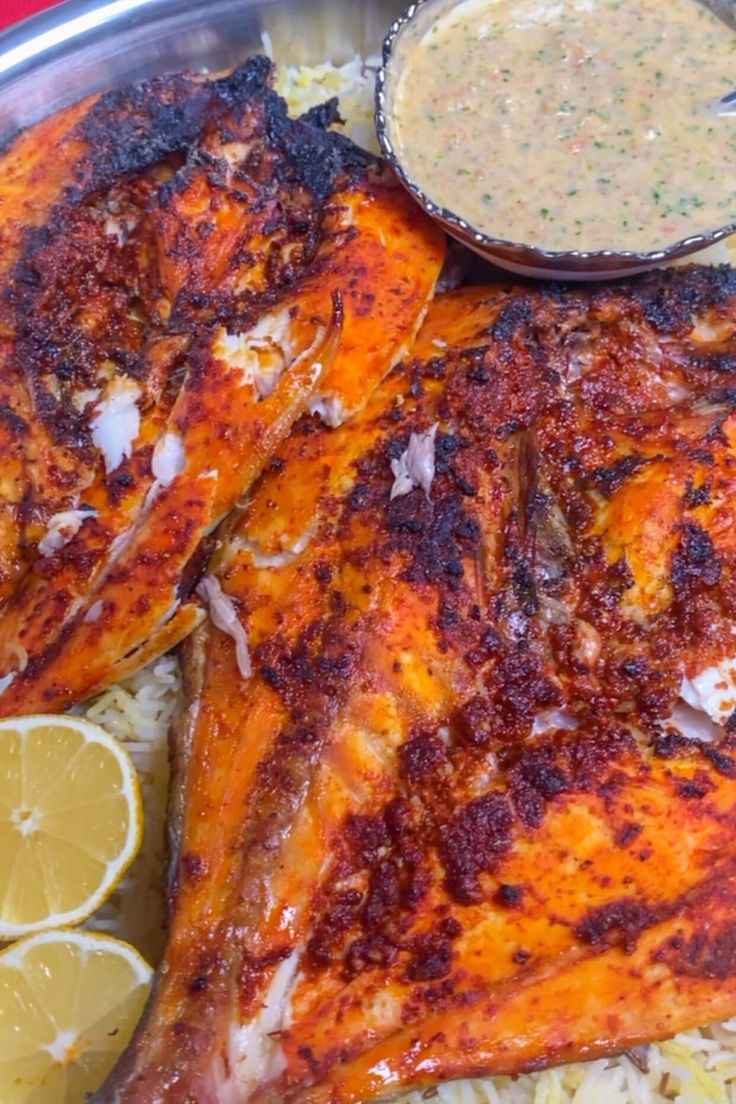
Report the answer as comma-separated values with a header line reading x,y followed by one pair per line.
x,y
13,955
116,870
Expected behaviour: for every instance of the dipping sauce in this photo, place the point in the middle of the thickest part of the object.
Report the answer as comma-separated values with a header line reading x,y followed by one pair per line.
x,y
570,124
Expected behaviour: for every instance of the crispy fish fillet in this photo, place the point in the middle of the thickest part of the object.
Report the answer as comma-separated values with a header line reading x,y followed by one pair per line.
x,y
164,335
468,815
55,179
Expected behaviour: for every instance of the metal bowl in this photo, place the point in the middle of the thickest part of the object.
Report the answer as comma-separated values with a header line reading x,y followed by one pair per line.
x,y
85,46
526,260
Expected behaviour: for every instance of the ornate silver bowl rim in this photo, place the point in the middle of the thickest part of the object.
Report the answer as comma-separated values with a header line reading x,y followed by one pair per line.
x,y
530,260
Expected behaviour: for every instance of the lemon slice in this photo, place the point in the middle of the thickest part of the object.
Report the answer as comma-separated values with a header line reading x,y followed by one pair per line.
x,y
70,821
69,1001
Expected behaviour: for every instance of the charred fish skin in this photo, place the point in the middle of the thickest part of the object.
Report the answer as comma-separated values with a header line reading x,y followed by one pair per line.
x,y
213,291
49,174
459,822
519,895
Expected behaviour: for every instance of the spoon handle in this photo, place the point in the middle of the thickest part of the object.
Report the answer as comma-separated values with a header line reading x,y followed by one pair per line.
x,y
725,106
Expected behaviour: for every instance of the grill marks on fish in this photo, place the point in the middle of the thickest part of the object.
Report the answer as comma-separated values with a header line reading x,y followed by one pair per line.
x,y
458,725
230,219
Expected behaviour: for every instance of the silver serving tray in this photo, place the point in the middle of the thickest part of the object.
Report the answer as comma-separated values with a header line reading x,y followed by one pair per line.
x,y
83,46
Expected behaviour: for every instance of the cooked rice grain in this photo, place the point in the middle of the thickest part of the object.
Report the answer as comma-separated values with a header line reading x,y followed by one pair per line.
x,y
305,86
139,712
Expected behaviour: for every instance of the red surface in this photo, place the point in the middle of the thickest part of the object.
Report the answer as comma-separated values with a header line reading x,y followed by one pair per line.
x,y
13,10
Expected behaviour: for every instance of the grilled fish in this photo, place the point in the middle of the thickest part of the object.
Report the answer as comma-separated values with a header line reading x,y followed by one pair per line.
x,y
51,172
472,811
204,275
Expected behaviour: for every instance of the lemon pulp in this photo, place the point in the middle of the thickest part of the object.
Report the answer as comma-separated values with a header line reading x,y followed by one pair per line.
x,y
69,1002
70,821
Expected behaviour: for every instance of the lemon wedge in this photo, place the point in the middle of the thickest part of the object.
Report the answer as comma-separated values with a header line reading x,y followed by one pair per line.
x,y
69,1001
70,821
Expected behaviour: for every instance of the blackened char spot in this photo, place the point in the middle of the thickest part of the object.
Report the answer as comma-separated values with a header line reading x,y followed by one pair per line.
x,y
316,158
193,865
366,835
118,484
696,496
550,781
695,562
445,447
608,480
724,764
518,688
533,782
139,124
15,423
421,756
451,928
693,789
670,743
472,842
447,536
514,317
271,676
316,666
384,894
509,896
323,115
627,833
331,927
487,646
671,303
370,952
68,427
709,953
618,923
431,958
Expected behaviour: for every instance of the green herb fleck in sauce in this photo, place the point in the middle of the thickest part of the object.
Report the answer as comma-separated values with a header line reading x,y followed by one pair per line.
x,y
553,121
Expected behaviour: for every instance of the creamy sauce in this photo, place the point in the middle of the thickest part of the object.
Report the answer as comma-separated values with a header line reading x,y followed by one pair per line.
x,y
570,124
